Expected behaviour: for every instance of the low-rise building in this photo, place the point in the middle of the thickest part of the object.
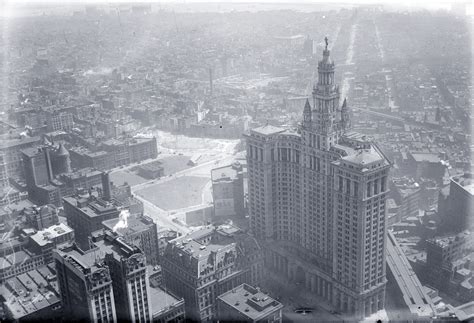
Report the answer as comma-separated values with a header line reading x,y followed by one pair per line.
x,y
151,170
31,296
45,241
166,307
245,303
17,263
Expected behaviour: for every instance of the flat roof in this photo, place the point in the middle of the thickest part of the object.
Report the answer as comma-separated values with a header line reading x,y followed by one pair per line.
x,y
17,257
45,236
28,293
268,130
9,143
161,300
465,312
223,173
134,224
426,157
250,302
364,156
92,207
109,244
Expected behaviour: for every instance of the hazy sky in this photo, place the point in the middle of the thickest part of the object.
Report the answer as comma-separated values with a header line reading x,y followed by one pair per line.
x,y
10,7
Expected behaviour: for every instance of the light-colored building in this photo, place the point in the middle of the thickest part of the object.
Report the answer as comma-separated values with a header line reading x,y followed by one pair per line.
x,y
317,202
43,242
228,191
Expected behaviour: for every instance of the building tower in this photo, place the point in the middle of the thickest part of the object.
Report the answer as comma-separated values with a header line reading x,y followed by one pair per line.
x,y
3,172
317,202
63,160
85,286
127,266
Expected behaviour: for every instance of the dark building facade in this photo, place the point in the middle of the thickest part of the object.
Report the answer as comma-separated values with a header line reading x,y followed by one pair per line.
x,y
85,214
85,285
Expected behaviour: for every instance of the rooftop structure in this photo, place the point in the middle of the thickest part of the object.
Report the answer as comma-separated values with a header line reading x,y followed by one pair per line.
x,y
53,233
138,230
246,303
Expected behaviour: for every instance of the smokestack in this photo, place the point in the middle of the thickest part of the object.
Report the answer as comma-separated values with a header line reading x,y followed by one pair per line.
x,y
106,189
49,168
210,80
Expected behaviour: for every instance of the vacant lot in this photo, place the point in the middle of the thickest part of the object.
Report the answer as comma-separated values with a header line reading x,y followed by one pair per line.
x,y
177,193
122,176
175,164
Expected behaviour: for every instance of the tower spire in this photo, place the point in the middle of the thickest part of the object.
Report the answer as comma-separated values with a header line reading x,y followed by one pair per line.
x,y
345,122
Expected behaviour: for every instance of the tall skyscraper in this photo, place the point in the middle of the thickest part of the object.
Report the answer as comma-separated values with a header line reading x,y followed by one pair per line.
x,y
317,201
85,285
105,283
127,265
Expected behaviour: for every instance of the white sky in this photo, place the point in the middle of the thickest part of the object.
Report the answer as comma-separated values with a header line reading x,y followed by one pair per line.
x,y
7,7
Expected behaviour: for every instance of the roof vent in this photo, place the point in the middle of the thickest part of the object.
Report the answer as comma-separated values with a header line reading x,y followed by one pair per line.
x,y
247,309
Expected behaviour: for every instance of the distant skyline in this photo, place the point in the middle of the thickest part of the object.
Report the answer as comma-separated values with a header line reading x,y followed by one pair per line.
x,y
9,6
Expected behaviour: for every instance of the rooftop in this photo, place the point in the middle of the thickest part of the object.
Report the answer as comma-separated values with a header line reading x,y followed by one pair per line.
x,y
226,173
250,301
108,242
268,130
465,312
92,207
10,143
466,181
425,157
30,292
364,156
49,234
135,224
161,301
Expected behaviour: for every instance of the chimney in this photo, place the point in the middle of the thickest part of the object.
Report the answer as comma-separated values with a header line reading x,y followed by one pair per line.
x,y
49,168
106,189
211,86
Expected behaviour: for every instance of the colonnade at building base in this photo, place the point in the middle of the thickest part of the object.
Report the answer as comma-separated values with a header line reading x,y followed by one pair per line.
x,y
321,284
